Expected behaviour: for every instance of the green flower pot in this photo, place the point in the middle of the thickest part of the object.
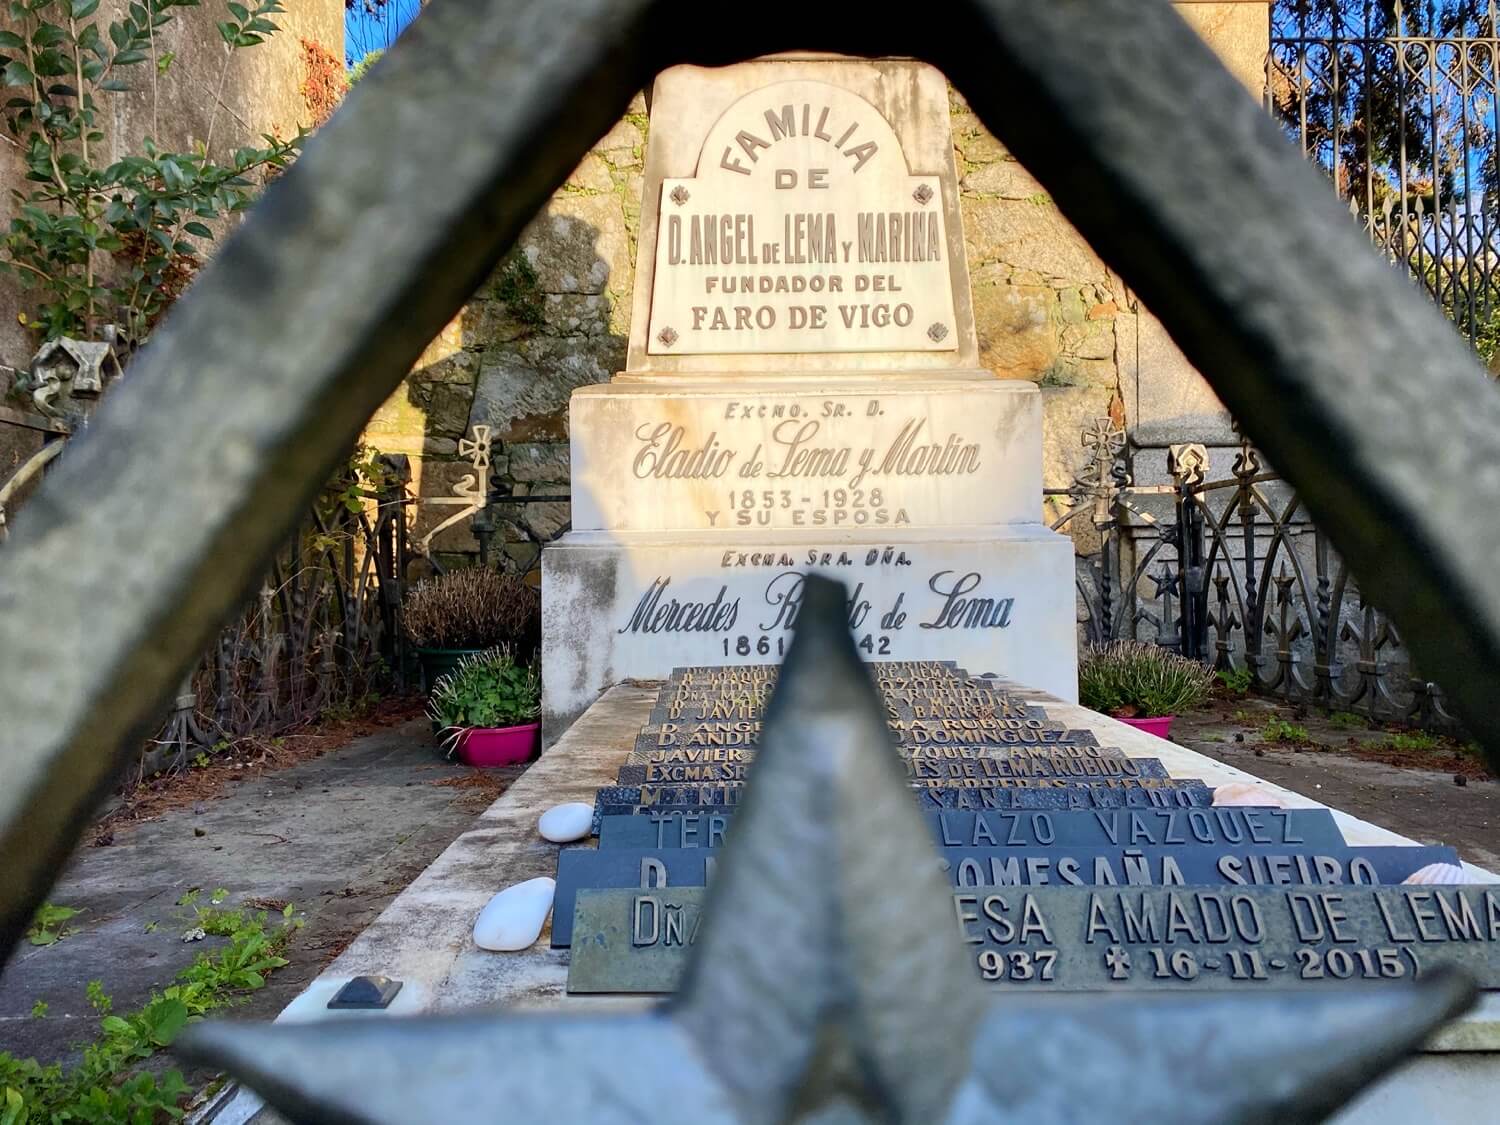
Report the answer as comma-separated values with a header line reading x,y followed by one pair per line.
x,y
437,662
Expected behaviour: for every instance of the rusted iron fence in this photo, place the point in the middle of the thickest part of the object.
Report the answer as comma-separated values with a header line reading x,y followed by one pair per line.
x,y
322,633
1399,101
1232,572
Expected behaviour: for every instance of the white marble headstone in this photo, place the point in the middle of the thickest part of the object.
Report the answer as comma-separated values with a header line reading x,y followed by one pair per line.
x,y
802,395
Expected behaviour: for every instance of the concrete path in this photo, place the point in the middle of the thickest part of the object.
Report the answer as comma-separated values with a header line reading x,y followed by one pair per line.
x,y
338,836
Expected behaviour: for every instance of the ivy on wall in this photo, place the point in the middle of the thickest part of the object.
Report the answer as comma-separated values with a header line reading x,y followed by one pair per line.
x,y
100,242
325,84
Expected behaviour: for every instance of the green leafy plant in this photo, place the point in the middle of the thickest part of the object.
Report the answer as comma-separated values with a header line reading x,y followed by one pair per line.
x,y
487,689
520,289
114,241
471,609
47,926
1413,742
1236,681
1286,733
1348,720
110,1084
39,1009
1131,679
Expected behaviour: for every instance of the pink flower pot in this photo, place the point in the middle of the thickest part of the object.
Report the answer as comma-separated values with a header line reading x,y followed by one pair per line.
x,y
1160,726
499,746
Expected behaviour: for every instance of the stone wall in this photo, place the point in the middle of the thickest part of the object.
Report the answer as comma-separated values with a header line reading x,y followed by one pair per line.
x,y
196,99
556,316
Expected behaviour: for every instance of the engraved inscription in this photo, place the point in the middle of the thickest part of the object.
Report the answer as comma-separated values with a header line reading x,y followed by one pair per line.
x,y
803,230
1133,938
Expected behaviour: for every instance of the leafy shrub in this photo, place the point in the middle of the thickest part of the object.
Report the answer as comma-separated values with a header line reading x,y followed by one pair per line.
x,y
475,608
106,237
487,689
1133,679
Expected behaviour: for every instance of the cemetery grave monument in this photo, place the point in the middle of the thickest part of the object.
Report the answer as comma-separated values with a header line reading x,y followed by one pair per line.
x,y
802,395
802,400
864,1002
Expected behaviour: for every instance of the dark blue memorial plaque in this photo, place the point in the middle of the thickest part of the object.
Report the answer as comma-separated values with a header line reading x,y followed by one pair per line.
x,y
952,796
580,868
1058,752
936,733
1190,866
1136,827
1213,827
1147,794
1005,767
954,699
1068,939
922,770
735,673
664,830
604,810
987,868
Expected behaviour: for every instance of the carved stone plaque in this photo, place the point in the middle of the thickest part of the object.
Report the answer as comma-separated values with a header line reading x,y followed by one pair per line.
x,y
1001,593
802,231
866,456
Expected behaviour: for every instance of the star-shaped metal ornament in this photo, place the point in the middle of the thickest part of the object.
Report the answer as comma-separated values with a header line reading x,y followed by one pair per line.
x,y
836,989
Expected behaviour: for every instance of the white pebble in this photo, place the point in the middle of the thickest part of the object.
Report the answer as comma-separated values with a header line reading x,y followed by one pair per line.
x,y
1435,874
514,918
562,824
1243,793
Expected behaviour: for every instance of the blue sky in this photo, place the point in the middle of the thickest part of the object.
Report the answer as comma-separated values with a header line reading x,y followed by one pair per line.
x,y
372,24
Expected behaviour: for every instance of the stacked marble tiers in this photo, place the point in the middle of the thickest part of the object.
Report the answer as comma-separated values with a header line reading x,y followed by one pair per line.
x,y
1074,866
803,394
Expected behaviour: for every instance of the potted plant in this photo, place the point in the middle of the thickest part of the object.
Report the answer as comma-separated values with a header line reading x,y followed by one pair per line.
x,y
485,710
464,612
1141,684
